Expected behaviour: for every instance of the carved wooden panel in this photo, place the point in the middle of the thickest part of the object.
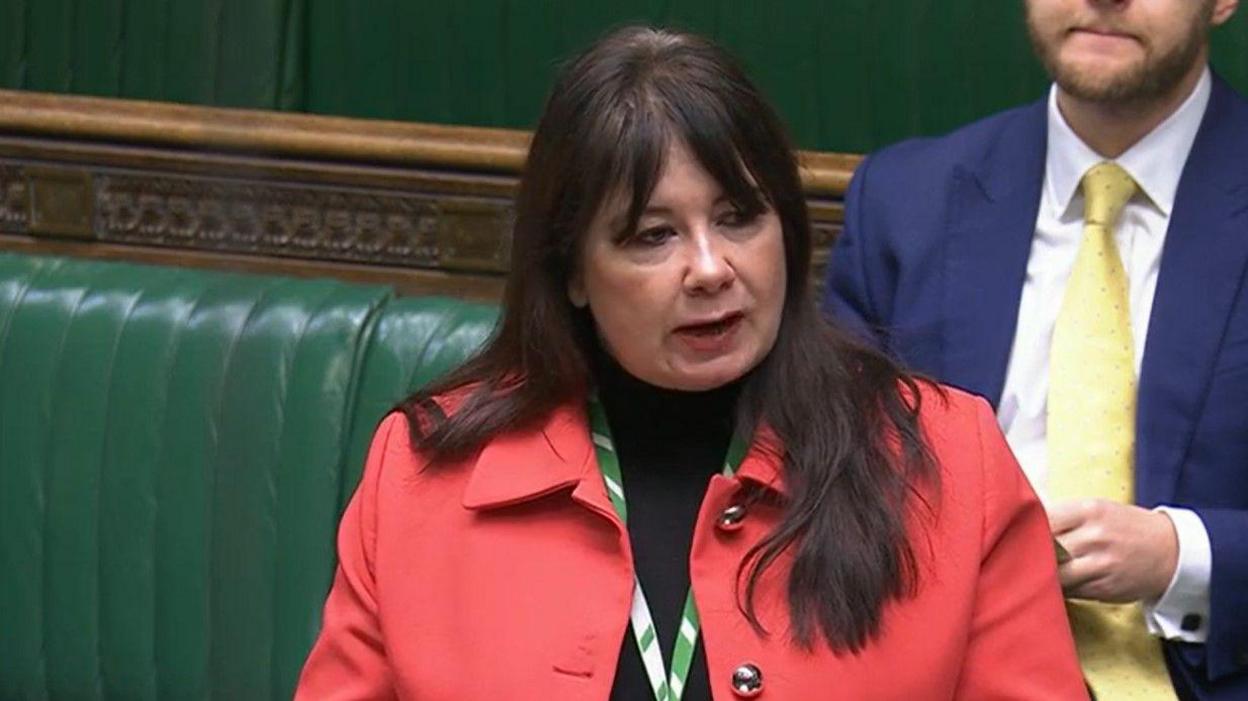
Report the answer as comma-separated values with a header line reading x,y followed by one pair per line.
x,y
283,219
426,208
14,199
299,220
61,202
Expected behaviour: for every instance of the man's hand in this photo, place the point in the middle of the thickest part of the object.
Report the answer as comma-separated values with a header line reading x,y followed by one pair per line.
x,y
1120,552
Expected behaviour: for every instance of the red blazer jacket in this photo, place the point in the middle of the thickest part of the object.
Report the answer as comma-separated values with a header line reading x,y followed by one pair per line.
x,y
509,576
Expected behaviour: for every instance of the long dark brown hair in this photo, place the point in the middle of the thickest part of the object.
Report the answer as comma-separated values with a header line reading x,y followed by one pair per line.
x,y
846,416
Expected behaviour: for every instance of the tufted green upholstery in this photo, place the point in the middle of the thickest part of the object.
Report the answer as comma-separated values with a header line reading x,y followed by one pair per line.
x,y
416,340
175,447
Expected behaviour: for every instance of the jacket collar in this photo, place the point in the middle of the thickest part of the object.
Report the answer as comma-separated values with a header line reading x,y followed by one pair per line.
x,y
1198,288
761,465
524,464
527,464
993,201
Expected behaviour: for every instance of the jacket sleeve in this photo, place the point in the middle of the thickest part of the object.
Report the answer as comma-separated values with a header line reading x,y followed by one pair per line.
x,y
1225,651
852,287
348,660
1020,644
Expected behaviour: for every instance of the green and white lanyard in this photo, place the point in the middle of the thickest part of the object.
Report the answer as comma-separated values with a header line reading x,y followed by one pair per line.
x,y
666,687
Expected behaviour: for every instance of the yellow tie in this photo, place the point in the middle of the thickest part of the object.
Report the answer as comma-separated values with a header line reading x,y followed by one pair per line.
x,y
1091,432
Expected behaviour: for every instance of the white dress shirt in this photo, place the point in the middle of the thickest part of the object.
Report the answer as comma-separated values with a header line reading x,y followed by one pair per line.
x,y
1140,235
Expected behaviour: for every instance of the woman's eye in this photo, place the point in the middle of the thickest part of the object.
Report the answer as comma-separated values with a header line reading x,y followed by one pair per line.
x,y
736,218
652,236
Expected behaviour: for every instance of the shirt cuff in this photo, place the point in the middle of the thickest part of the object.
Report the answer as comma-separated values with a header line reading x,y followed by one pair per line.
x,y
1182,612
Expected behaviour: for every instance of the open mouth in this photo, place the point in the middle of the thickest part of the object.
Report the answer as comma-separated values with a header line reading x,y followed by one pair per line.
x,y
718,327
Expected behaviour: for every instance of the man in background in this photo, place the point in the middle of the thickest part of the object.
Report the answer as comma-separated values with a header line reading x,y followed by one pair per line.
x,y
1081,263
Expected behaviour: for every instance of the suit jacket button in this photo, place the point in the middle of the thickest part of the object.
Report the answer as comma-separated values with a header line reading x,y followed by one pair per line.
x,y
747,680
730,519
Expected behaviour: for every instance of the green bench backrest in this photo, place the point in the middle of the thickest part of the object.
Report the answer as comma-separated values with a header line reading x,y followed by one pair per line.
x,y
415,340
175,447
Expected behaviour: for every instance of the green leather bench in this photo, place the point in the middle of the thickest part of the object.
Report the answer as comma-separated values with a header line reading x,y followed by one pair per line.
x,y
175,449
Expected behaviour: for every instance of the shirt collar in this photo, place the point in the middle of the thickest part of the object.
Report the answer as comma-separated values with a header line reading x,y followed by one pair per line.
x,y
1150,161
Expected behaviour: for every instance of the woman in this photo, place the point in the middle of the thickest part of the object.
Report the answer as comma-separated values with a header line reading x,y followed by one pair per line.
x,y
665,477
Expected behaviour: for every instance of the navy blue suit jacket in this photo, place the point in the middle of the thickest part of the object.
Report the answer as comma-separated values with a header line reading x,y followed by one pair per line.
x,y
931,267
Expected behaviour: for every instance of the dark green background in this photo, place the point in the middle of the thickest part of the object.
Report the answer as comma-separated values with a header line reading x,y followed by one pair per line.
x,y
848,75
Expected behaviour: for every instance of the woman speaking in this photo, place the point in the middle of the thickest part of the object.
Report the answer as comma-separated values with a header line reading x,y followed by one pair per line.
x,y
665,476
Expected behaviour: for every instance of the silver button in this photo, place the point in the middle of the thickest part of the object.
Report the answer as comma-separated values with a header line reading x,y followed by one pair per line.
x,y
747,680
730,518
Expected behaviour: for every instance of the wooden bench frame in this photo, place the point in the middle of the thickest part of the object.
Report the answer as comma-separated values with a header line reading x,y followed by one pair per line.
x,y
423,207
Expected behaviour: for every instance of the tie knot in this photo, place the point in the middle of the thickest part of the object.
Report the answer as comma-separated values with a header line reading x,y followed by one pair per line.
x,y
1106,189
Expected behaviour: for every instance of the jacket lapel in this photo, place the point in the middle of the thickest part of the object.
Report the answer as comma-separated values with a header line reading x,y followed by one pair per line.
x,y
523,465
1202,265
992,218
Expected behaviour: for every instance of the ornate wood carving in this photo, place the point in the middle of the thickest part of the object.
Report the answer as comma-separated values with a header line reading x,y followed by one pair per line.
x,y
425,207
14,199
267,219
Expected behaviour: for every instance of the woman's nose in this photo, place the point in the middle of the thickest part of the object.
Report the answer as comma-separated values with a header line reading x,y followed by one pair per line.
x,y
710,267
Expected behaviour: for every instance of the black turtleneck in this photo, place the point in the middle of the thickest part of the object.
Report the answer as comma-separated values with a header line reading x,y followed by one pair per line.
x,y
669,445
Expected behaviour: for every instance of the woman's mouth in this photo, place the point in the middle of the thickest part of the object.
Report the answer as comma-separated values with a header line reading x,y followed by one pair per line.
x,y
710,336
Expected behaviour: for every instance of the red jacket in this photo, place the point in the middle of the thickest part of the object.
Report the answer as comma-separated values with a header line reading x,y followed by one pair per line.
x,y
509,577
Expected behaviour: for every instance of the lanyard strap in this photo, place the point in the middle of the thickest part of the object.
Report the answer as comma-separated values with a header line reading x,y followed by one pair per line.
x,y
666,687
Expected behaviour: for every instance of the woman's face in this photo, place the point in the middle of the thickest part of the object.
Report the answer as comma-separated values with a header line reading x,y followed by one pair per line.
x,y
692,298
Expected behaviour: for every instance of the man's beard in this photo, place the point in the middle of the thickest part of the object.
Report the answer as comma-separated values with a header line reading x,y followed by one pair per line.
x,y
1155,77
